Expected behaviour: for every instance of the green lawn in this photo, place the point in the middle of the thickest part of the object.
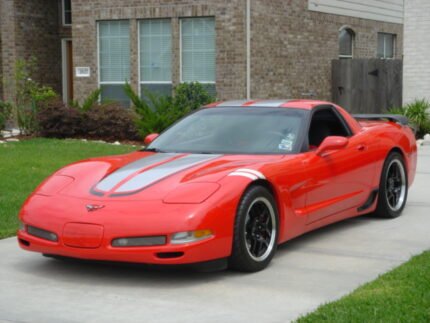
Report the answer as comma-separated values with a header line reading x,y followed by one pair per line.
x,y
401,295
23,165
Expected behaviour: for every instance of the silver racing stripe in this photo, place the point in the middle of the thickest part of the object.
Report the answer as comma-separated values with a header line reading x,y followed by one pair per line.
x,y
121,174
162,171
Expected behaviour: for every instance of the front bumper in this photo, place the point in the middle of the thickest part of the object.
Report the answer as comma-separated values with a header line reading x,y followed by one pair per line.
x,y
167,254
125,219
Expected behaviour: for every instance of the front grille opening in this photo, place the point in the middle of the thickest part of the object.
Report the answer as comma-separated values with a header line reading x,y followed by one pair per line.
x,y
40,233
24,242
167,255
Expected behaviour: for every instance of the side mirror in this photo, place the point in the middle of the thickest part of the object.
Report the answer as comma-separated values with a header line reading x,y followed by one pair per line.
x,y
331,143
150,138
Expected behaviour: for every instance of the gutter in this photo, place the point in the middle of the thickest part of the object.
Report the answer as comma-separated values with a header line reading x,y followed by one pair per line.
x,y
248,49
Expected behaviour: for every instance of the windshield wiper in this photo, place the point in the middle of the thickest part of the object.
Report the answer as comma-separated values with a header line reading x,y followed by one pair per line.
x,y
155,150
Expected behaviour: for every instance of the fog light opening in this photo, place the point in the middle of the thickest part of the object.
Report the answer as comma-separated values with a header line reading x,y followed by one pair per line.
x,y
169,255
24,242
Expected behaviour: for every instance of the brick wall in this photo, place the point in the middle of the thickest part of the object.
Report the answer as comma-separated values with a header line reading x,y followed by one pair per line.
x,y
416,66
292,47
31,28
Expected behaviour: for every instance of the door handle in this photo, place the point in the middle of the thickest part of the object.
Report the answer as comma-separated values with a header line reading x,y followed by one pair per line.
x,y
361,147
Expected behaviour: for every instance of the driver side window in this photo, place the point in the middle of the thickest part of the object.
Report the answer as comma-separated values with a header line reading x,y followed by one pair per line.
x,y
325,123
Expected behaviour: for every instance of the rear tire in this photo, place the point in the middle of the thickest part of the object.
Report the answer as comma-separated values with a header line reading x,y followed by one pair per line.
x,y
255,231
393,187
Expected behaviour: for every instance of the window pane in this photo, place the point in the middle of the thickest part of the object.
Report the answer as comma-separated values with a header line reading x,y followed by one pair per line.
x,y
155,50
157,89
68,18
114,92
67,5
67,12
381,40
198,49
389,46
211,88
114,47
345,42
386,45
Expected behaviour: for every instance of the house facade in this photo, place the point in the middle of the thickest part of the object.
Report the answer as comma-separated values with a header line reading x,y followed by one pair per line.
x,y
237,48
416,67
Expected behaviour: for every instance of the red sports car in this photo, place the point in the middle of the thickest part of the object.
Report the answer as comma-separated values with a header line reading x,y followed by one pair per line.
x,y
227,183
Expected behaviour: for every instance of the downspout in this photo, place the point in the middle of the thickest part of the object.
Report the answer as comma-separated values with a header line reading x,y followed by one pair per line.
x,y
248,49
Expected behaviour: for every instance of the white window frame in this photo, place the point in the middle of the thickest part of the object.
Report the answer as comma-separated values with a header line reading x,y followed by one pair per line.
x,y
348,29
385,45
63,13
98,61
138,57
180,52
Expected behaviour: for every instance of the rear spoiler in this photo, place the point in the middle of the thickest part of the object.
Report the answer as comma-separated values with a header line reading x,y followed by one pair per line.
x,y
404,121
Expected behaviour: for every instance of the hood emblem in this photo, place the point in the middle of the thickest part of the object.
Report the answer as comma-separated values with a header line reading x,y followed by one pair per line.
x,y
93,207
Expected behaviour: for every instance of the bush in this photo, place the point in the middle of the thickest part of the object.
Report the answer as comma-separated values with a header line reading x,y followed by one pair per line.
x,y
156,113
89,102
56,120
110,122
29,95
418,114
107,122
191,96
5,113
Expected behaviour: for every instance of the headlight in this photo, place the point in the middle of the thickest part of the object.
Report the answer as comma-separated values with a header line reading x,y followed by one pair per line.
x,y
54,184
21,226
191,193
190,236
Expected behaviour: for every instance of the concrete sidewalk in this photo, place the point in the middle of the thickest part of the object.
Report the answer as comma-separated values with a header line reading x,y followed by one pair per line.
x,y
306,272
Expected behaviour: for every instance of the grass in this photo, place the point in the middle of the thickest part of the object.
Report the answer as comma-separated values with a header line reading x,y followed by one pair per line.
x,y
401,295
23,165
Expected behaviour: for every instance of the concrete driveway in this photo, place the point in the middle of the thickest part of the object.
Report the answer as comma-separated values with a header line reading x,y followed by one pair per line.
x,y
308,271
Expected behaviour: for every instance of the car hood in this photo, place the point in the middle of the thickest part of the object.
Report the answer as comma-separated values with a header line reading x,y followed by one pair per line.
x,y
146,175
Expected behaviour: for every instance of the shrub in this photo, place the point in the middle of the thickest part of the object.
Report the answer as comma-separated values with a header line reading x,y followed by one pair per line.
x,y
90,101
107,122
110,122
57,120
5,113
191,96
156,113
29,95
418,114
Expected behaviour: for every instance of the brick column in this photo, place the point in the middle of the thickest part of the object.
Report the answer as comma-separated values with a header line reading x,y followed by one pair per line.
x,y
176,64
8,50
134,55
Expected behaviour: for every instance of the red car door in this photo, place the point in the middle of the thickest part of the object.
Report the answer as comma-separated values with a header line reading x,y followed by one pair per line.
x,y
340,179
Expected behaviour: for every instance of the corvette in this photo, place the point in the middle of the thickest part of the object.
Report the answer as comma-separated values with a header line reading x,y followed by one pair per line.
x,y
228,183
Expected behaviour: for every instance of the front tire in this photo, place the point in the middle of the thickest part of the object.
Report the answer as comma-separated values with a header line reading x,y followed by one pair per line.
x,y
393,187
255,231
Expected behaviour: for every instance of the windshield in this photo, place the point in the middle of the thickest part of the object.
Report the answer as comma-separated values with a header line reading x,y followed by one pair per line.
x,y
235,131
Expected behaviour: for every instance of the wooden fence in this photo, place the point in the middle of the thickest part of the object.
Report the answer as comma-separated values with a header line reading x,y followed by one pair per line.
x,y
367,85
